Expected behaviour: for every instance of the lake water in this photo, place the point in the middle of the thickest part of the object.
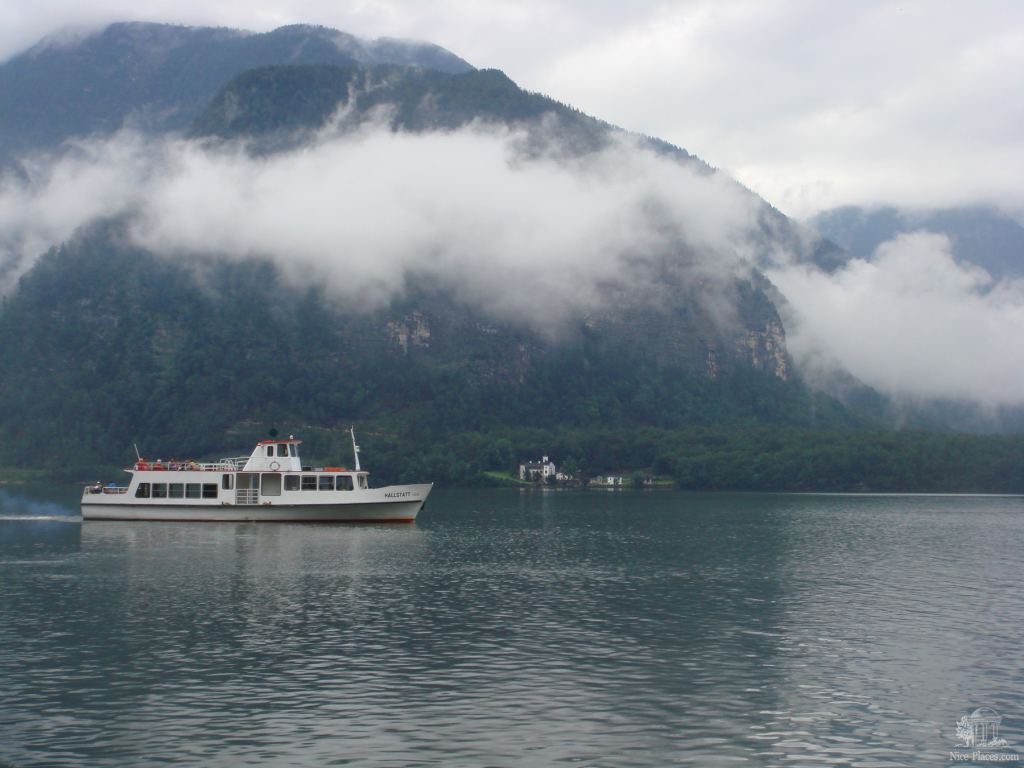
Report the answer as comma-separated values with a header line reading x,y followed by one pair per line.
x,y
511,628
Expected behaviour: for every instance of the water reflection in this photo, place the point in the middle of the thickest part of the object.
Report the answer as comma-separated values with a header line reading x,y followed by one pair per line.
x,y
897,622
515,628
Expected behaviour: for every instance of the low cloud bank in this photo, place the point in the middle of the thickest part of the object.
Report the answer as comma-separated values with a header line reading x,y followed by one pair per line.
x,y
368,212
910,322
524,238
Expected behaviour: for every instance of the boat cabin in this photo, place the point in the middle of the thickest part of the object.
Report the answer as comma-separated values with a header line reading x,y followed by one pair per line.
x,y
275,456
273,473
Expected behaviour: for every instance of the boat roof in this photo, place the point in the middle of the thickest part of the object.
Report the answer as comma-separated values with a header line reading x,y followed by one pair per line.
x,y
280,440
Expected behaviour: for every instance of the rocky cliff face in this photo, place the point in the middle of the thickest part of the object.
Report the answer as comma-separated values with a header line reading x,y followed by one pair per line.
x,y
413,329
766,349
679,334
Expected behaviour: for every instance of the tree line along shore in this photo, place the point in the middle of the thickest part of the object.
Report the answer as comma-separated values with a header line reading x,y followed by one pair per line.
x,y
699,458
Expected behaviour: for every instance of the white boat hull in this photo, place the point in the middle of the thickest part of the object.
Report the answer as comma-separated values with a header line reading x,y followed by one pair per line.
x,y
394,504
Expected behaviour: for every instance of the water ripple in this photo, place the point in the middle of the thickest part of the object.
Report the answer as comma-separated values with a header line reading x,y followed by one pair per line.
x,y
517,629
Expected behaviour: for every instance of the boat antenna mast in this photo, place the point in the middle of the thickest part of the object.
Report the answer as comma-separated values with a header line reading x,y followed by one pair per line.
x,y
355,448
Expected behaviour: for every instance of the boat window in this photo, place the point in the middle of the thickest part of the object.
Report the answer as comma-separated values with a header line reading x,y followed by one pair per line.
x,y
291,448
176,491
291,482
362,481
309,482
209,490
159,490
326,482
271,485
343,482
193,491
282,449
142,492
227,482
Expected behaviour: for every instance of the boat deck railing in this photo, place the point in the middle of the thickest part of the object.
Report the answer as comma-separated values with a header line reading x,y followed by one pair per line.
x,y
108,489
246,496
232,464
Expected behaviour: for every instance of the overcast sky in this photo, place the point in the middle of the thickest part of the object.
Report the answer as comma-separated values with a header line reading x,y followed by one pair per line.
x,y
812,104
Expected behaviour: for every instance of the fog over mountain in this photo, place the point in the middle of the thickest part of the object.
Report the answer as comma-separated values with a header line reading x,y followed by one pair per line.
x,y
525,238
937,297
524,231
910,321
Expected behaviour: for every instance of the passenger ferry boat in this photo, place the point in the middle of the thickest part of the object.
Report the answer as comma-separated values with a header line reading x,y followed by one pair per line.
x,y
269,485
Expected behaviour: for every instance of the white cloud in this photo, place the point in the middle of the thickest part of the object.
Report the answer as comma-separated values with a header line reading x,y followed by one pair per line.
x,y
364,213
820,104
44,209
911,321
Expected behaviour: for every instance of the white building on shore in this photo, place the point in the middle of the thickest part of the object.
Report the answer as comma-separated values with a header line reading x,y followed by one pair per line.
x,y
542,471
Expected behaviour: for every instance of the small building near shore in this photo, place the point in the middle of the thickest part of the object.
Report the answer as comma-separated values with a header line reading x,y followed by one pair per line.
x,y
542,471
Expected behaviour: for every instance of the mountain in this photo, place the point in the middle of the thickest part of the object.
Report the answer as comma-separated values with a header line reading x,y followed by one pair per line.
x,y
160,76
280,106
980,235
104,343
